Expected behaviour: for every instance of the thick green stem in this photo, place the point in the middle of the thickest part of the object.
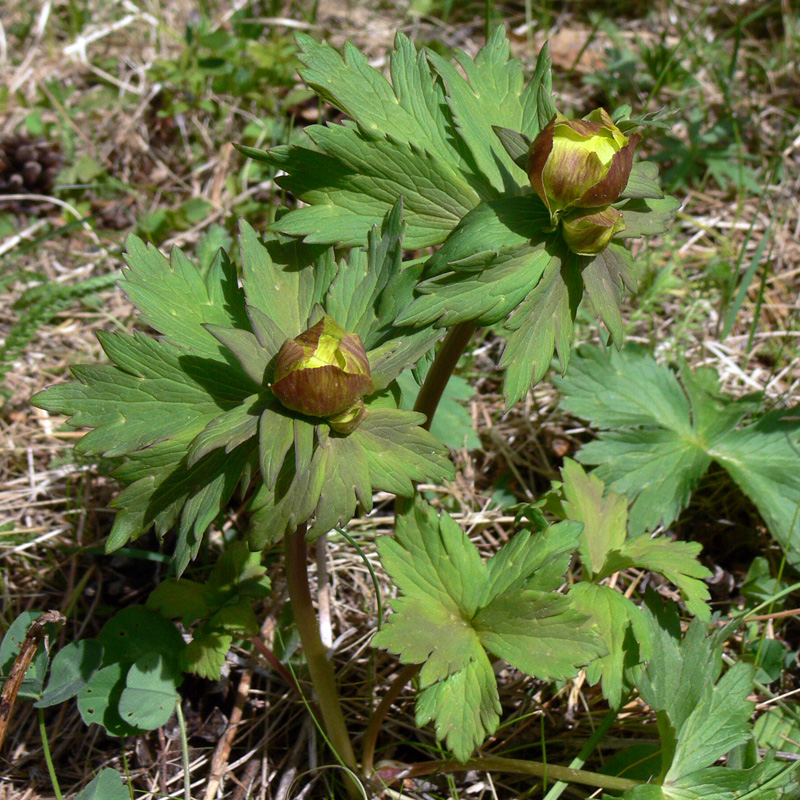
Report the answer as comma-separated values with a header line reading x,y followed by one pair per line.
x,y
319,667
520,767
577,762
380,712
442,368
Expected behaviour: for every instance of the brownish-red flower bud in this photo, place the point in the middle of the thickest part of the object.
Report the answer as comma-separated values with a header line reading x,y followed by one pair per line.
x,y
324,372
580,163
587,231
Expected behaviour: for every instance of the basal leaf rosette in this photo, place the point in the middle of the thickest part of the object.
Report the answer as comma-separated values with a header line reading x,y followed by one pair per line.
x,y
189,418
525,261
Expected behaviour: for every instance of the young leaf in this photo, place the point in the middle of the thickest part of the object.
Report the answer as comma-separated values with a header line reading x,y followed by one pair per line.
x,y
676,561
464,707
541,323
604,517
606,548
455,608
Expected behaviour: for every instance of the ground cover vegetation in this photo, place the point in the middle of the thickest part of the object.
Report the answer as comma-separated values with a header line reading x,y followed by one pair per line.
x,y
414,400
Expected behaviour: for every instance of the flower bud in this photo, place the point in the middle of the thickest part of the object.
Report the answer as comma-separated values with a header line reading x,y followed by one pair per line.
x,y
587,231
324,372
583,163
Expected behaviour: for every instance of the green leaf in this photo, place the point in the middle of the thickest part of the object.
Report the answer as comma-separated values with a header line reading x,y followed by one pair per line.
x,y
648,217
769,780
464,706
515,144
148,399
265,282
499,225
149,697
205,654
72,668
106,785
410,107
408,139
703,716
251,353
676,561
661,434
604,517
354,179
454,608
603,279
540,633
173,297
533,560
762,459
137,631
643,181
181,598
399,452
541,323
164,488
623,630
483,297
348,483
98,701
228,430
488,94
778,728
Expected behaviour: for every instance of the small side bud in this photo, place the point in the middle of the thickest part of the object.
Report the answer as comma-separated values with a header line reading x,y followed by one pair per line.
x,y
324,372
587,231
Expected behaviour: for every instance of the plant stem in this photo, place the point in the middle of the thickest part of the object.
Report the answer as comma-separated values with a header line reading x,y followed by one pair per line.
x,y
442,368
380,712
47,757
520,767
319,667
558,788
187,777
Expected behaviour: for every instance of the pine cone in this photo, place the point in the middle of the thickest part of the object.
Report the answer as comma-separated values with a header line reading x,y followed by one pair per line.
x,y
27,166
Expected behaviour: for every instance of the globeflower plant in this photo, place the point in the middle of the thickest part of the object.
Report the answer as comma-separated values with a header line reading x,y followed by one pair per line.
x,y
262,405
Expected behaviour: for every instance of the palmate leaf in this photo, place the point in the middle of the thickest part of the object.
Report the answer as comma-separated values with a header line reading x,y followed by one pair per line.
x,y
702,716
492,94
426,135
659,435
454,609
606,548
